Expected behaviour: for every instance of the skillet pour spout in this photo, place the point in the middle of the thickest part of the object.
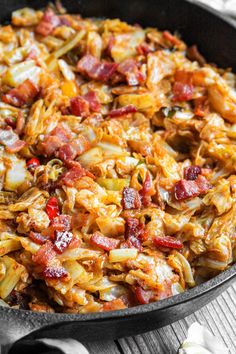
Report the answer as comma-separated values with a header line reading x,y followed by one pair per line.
x,y
215,37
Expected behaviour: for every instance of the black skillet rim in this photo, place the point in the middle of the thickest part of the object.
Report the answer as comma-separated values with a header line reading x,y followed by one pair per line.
x,y
170,302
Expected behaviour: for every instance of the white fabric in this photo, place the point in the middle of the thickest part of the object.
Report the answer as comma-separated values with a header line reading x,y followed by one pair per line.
x,y
202,341
68,346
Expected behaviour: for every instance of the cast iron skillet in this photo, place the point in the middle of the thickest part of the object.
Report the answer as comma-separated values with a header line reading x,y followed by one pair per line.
x,y
216,39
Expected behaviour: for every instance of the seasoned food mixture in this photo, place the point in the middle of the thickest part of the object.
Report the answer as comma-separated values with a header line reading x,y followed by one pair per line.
x,y
117,164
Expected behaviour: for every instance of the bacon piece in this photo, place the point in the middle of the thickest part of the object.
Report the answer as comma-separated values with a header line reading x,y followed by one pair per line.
x,y
191,172
188,189
194,55
74,148
170,38
103,242
93,101
62,240
129,69
72,175
20,123
62,133
123,111
50,145
134,233
11,140
37,238
147,191
143,296
94,69
17,146
61,223
168,241
52,272
52,208
183,86
201,106
48,22
131,199
144,48
22,94
113,305
79,106
45,254
71,163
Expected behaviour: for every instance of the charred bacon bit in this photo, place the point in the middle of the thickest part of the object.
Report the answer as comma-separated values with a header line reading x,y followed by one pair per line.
x,y
142,296
191,172
48,22
21,95
188,189
93,101
90,66
52,272
17,298
183,86
129,69
57,138
171,38
103,242
147,191
52,208
194,55
134,233
45,254
61,223
201,106
32,164
113,305
10,140
123,111
79,106
37,238
130,199
168,242
62,240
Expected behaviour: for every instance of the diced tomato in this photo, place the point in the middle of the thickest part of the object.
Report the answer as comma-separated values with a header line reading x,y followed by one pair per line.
x,y
168,241
32,164
113,305
183,86
131,199
123,111
106,243
143,296
52,208
21,95
45,254
191,172
37,238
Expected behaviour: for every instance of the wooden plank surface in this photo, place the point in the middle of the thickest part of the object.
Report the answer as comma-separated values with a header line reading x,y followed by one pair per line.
x,y
219,317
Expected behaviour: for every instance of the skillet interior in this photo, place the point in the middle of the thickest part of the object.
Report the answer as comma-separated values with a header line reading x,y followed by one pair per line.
x,y
215,37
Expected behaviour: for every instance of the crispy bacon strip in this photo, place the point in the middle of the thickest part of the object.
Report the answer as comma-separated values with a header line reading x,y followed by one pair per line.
x,y
21,95
92,98
143,296
48,22
45,254
74,148
131,199
10,140
58,137
61,223
183,86
103,242
62,240
135,233
37,238
123,111
188,189
191,172
168,241
55,272
79,106
94,69
74,173
129,68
